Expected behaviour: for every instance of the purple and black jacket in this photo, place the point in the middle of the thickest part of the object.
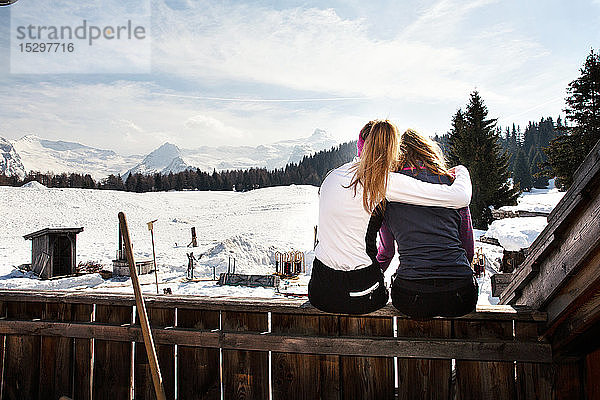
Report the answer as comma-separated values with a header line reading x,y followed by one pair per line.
x,y
433,242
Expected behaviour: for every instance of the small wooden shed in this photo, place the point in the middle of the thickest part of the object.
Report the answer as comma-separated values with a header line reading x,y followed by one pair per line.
x,y
54,251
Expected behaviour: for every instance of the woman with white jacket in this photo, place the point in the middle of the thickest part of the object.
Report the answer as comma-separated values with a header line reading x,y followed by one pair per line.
x,y
346,277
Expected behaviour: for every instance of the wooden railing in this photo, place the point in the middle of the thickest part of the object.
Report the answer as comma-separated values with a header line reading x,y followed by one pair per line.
x,y
86,345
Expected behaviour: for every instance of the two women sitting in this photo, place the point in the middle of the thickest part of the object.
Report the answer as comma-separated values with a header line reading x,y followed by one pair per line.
x,y
400,188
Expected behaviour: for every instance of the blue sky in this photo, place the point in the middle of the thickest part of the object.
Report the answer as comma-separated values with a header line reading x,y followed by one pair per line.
x,y
230,73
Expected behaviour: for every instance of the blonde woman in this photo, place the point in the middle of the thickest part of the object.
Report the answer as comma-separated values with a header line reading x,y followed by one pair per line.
x,y
435,244
346,277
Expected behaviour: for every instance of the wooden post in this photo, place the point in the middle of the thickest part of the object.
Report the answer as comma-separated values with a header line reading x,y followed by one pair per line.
x,y
534,380
82,357
55,356
197,367
245,373
194,242
366,377
305,376
151,229
484,379
141,309
112,359
22,356
424,378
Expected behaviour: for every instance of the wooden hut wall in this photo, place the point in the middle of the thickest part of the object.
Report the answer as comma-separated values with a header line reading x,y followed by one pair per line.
x,y
41,256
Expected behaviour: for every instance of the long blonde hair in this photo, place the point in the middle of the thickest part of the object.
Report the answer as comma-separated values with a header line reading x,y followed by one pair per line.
x,y
418,151
379,157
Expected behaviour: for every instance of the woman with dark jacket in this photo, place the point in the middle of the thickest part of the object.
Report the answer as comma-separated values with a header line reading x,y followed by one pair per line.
x,y
346,277
435,244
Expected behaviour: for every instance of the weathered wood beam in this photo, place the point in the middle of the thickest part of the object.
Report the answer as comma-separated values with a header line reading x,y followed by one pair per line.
x,y
473,349
578,333
282,305
575,292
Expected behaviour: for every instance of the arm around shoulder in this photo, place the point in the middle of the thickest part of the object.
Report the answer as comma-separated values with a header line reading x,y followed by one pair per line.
x,y
405,189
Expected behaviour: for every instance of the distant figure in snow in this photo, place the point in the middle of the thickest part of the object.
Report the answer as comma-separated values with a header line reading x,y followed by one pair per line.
x,y
346,276
435,244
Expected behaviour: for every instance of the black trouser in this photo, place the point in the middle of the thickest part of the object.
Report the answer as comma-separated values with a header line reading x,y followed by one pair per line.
x,y
347,292
427,298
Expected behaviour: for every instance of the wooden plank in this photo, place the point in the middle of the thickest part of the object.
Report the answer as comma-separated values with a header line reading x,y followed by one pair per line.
x,y
534,380
2,345
56,371
245,373
284,305
82,356
580,286
568,381
198,368
424,378
304,376
484,380
22,356
467,349
592,379
143,386
575,335
112,360
367,377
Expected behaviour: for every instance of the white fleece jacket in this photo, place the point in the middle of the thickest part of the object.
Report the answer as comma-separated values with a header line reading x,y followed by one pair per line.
x,y
343,221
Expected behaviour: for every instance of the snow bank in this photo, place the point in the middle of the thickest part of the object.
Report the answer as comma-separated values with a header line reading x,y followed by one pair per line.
x,y
251,256
516,233
33,185
538,200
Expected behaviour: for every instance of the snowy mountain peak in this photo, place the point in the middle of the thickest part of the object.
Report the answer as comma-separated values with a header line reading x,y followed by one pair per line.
x,y
320,134
10,162
59,156
170,158
30,138
166,156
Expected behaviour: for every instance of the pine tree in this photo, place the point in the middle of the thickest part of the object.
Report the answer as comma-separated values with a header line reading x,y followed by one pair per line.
x,y
475,143
566,152
522,173
540,180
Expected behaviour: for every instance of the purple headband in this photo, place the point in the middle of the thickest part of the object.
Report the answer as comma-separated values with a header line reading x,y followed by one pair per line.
x,y
359,145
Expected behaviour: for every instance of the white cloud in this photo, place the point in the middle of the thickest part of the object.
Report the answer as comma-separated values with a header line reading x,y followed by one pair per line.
x,y
130,117
317,50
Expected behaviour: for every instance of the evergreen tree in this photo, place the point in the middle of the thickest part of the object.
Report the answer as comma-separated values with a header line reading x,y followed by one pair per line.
x,y
566,152
540,180
475,143
522,173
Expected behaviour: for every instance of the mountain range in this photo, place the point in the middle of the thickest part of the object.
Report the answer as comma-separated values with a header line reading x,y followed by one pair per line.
x,y
32,153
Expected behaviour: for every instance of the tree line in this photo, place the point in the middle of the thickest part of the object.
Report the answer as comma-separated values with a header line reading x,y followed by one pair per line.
x,y
311,170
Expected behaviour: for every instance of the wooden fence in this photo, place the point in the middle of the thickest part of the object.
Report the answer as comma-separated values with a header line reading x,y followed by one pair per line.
x,y
87,346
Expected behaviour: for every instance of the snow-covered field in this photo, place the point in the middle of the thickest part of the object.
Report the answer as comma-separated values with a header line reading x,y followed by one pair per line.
x,y
249,226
